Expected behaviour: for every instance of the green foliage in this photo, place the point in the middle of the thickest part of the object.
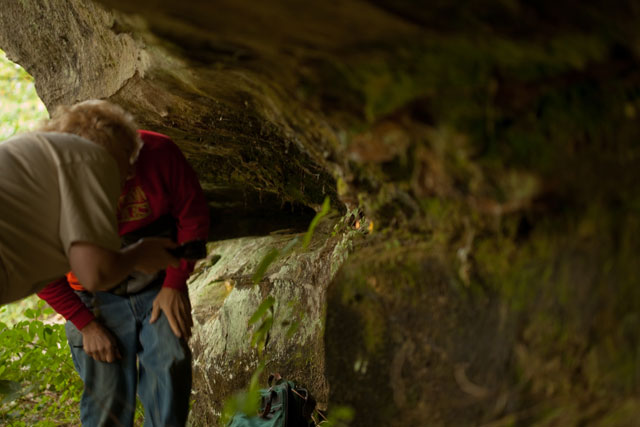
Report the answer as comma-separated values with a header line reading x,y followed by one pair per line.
x,y
572,284
269,258
265,262
267,304
454,71
326,206
38,383
264,312
246,402
20,107
274,253
339,416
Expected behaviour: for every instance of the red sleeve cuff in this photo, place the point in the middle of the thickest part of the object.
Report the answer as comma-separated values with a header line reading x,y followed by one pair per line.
x,y
81,318
64,301
176,278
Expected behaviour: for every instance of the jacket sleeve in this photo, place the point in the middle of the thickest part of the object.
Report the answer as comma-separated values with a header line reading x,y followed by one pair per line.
x,y
64,301
187,205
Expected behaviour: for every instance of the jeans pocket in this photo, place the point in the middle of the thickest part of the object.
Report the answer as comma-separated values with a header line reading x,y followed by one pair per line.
x,y
74,336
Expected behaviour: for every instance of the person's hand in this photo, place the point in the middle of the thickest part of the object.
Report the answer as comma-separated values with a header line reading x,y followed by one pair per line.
x,y
99,343
176,306
152,255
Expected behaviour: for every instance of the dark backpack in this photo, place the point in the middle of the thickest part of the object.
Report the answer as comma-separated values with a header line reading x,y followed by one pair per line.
x,y
283,404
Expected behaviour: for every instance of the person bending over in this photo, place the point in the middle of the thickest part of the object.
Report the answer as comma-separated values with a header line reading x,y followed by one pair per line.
x,y
58,193
146,317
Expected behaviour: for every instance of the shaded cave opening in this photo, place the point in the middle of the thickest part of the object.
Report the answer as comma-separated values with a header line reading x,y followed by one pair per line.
x,y
236,213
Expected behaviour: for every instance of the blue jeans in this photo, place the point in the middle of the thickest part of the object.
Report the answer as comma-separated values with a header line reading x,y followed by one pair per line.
x,y
154,361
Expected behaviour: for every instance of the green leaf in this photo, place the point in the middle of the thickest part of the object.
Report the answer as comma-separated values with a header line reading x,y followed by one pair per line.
x,y
339,416
262,309
259,338
253,384
246,402
326,206
251,403
293,328
271,256
34,328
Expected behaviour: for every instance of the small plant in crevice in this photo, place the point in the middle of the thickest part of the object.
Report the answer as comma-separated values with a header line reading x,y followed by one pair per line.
x,y
262,319
274,253
264,314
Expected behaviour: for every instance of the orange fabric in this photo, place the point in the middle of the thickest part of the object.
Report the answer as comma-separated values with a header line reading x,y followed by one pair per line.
x,y
73,282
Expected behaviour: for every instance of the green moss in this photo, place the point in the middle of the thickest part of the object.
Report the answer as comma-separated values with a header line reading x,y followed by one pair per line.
x,y
577,309
382,77
624,413
370,315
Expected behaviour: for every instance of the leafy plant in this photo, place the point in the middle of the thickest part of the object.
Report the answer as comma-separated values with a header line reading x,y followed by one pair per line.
x,y
274,253
246,402
338,416
38,383
264,312
20,107
326,207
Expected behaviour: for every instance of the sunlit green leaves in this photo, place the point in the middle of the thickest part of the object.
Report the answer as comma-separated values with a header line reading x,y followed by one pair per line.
x,y
246,402
38,383
270,257
20,107
274,253
326,206
264,313
339,416
262,309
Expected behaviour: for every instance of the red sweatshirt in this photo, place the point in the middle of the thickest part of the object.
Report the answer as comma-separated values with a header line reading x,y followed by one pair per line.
x,y
164,184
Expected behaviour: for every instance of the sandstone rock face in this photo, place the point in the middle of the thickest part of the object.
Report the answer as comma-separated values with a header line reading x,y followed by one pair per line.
x,y
225,298
479,265
86,56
